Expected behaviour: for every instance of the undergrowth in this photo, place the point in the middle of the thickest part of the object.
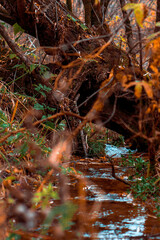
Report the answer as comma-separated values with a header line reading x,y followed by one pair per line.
x,y
35,153
143,186
29,186
98,137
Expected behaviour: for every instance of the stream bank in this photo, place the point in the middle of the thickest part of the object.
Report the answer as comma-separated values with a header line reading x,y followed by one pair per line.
x,y
120,216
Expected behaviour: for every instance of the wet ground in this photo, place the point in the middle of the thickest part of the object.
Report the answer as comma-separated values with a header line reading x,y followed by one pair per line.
x,y
120,216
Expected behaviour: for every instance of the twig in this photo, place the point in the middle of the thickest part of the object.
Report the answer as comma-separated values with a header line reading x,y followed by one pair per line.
x,y
47,177
92,95
140,47
3,139
81,133
113,112
58,115
114,174
127,25
11,133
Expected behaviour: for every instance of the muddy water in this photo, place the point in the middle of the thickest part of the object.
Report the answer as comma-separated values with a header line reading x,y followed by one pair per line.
x,y
120,216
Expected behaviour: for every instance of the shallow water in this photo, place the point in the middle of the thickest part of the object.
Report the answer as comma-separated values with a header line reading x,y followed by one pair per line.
x,y
112,150
120,216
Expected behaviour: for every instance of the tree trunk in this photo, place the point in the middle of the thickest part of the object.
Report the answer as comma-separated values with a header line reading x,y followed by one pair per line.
x,y
128,28
157,15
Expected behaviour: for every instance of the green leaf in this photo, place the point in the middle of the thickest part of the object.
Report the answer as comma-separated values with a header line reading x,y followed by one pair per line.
x,y
12,55
45,195
3,23
24,149
32,67
48,75
17,28
20,66
1,180
42,87
47,89
10,178
5,125
46,149
72,18
3,117
65,213
49,124
38,106
4,157
51,109
158,24
61,125
43,68
13,236
84,27
15,138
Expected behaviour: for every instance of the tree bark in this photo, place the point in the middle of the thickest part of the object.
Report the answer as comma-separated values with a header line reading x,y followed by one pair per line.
x,y
128,28
157,15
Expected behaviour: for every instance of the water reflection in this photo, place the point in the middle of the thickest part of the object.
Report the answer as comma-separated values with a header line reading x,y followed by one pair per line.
x,y
120,217
122,220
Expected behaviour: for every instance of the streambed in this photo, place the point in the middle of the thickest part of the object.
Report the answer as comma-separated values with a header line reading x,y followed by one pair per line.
x,y
120,216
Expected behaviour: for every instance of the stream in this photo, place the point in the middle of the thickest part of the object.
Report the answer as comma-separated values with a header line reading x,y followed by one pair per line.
x,y
120,216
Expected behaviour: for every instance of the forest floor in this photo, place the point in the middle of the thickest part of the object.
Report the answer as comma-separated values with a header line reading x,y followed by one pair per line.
x,y
106,206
